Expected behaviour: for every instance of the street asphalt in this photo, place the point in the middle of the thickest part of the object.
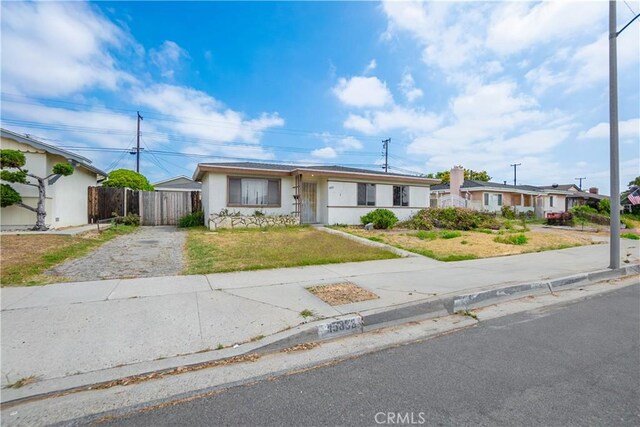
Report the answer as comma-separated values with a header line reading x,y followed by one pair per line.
x,y
574,364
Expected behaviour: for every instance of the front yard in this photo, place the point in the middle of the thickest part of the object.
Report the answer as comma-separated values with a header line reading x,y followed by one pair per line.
x,y
25,257
254,249
448,245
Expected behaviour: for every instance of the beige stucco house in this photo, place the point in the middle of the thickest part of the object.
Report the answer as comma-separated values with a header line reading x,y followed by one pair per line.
x,y
315,194
66,203
492,196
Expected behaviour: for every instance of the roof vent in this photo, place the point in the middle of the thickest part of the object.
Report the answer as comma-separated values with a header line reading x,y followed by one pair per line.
x,y
555,185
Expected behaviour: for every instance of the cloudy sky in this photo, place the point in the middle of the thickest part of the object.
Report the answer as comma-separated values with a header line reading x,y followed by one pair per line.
x,y
483,85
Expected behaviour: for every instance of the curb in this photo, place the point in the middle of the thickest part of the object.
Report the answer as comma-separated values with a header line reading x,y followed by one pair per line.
x,y
320,330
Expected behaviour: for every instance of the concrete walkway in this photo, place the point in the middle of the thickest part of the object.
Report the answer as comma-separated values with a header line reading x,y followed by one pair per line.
x,y
64,329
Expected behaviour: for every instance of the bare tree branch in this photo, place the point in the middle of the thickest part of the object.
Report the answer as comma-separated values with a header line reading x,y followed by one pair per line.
x,y
26,206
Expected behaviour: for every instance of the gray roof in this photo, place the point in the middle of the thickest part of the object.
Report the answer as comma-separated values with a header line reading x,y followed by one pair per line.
x,y
24,139
475,184
586,194
289,168
181,182
563,187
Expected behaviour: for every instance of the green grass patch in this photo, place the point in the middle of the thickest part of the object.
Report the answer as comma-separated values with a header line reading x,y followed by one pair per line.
x,y
26,257
376,239
450,234
426,235
630,236
441,257
512,239
277,247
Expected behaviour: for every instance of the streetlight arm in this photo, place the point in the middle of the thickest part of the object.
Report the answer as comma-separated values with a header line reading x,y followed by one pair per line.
x,y
625,27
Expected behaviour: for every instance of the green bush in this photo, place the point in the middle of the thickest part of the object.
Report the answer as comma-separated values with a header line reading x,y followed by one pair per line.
x,y
380,218
512,239
630,236
451,219
587,213
508,212
450,234
426,235
122,178
604,207
194,219
128,219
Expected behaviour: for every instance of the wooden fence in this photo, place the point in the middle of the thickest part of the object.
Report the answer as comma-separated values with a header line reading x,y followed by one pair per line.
x,y
154,207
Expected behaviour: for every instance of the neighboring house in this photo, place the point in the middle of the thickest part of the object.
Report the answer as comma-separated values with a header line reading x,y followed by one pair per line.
x,y
66,203
178,183
577,197
316,194
491,196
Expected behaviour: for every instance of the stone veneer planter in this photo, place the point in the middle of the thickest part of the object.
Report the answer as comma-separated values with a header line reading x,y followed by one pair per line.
x,y
250,221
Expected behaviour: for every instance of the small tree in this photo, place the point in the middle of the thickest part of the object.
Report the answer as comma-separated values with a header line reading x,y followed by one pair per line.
x,y
14,159
468,175
124,178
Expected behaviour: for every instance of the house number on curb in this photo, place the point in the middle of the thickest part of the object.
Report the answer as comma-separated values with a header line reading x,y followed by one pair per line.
x,y
340,327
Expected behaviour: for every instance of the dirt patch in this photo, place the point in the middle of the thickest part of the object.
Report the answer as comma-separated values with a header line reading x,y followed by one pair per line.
x,y
23,249
342,293
474,244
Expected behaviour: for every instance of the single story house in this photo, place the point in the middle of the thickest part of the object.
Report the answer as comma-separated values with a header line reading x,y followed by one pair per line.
x,y
66,203
577,197
314,194
178,183
491,196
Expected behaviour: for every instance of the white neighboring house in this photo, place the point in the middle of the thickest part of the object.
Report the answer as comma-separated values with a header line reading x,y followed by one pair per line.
x,y
178,183
317,194
66,203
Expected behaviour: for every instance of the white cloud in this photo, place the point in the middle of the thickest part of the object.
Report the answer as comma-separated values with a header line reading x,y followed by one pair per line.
x,y
363,92
59,48
325,153
167,58
336,146
518,26
370,66
408,87
198,115
397,118
626,129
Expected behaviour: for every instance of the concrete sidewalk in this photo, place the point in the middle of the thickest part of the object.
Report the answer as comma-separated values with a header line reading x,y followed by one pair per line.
x,y
61,330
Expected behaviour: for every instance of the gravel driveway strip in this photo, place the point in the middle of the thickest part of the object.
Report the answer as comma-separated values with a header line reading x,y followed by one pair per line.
x,y
148,252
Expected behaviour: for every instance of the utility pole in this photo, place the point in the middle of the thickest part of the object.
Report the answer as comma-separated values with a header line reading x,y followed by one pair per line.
x,y
580,179
614,159
385,147
515,166
138,144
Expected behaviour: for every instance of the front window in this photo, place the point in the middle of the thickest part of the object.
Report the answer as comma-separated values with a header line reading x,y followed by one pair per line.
x,y
400,195
366,194
486,199
551,201
254,192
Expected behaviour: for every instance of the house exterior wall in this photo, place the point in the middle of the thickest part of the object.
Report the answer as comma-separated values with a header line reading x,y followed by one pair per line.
x,y
66,203
343,201
559,203
215,195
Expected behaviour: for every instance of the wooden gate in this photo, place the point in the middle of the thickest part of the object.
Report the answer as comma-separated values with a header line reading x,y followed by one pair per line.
x,y
164,207
153,207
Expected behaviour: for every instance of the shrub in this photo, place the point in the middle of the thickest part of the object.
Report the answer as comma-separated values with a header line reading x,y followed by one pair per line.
x,y
512,239
194,219
380,218
508,212
630,236
450,234
604,206
128,219
129,179
451,219
426,235
587,213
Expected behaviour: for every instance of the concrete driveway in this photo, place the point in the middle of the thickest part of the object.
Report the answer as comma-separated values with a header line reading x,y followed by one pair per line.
x,y
148,252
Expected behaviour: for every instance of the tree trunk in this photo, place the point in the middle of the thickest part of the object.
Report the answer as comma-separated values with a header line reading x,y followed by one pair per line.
x,y
41,214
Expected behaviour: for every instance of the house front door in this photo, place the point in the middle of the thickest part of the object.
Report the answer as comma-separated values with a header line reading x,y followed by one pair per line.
x,y
309,202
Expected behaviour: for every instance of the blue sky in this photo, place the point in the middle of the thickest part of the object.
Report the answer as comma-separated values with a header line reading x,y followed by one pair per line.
x,y
483,85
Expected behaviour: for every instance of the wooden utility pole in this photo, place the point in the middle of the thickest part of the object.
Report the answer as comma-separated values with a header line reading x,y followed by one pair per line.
x,y
385,147
138,144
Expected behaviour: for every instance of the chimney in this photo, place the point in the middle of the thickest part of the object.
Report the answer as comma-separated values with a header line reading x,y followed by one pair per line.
x,y
456,178
593,190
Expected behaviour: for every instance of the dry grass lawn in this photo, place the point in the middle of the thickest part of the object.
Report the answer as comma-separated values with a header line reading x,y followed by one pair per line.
x,y
473,244
254,249
24,257
342,293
